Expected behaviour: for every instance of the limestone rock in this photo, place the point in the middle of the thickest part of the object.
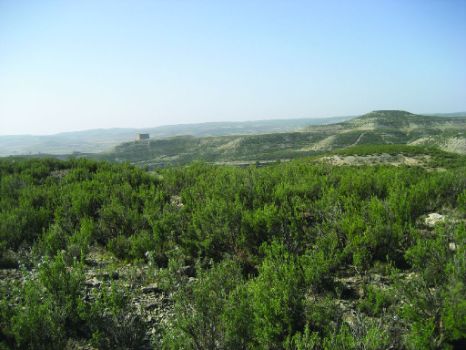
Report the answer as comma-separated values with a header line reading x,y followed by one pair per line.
x,y
151,288
433,219
93,283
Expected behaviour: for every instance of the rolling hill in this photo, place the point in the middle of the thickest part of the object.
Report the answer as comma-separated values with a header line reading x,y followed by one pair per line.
x,y
99,140
377,127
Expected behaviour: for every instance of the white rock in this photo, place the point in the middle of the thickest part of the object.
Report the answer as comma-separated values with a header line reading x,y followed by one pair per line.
x,y
434,218
152,288
93,283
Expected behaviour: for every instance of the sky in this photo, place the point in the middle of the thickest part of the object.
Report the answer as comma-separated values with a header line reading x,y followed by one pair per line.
x,y
76,65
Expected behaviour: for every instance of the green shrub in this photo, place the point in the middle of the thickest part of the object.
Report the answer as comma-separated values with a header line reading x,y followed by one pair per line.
x,y
120,246
322,314
368,335
277,297
48,309
237,319
421,335
376,300
429,256
319,261
454,312
40,322
454,293
306,340
461,200
422,312
111,321
64,284
141,243
52,241
78,244
199,307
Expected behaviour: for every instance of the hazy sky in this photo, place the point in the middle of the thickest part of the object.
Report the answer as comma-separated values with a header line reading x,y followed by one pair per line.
x,y
73,65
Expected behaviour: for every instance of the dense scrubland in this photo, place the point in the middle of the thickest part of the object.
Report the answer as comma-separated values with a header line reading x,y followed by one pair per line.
x,y
297,255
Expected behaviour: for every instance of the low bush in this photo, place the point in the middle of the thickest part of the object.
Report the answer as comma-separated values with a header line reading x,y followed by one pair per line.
x,y
112,323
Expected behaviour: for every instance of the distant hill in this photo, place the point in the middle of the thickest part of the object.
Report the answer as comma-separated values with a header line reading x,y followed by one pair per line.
x,y
405,121
99,140
457,114
377,127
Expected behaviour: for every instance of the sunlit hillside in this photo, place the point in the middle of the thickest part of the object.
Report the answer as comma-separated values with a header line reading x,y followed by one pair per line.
x,y
379,127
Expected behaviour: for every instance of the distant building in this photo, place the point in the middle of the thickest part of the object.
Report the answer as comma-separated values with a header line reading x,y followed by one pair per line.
x,y
140,137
